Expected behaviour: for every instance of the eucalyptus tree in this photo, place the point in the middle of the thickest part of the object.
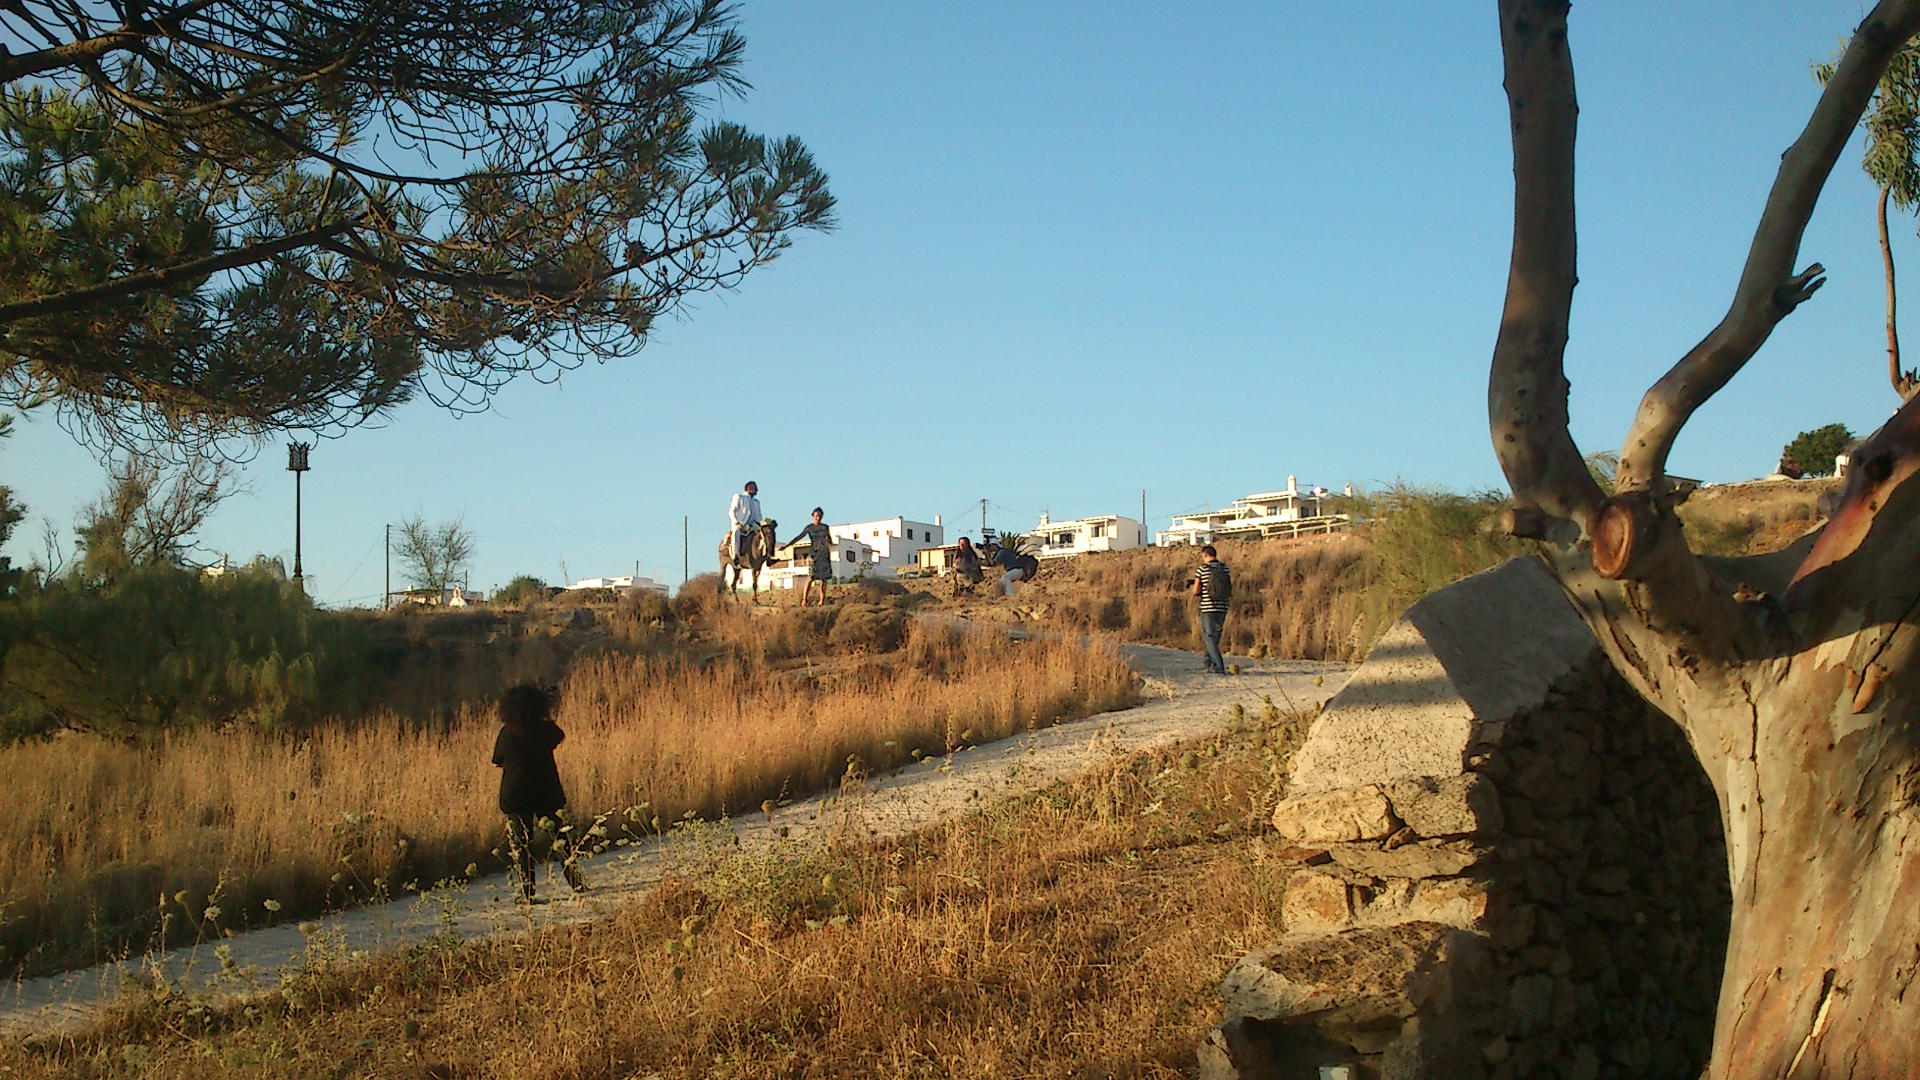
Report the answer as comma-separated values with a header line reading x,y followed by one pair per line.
x,y
1892,125
222,217
1792,675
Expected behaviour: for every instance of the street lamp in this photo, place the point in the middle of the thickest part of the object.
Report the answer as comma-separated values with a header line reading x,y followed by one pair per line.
x,y
297,464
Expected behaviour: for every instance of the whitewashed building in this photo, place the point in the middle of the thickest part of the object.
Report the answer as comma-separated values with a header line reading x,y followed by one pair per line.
x,y
618,584
894,540
1287,513
860,549
792,566
1107,532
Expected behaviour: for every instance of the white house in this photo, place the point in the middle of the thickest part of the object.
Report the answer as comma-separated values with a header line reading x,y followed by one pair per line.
x,y
860,549
453,596
630,581
894,540
1288,513
792,567
1107,532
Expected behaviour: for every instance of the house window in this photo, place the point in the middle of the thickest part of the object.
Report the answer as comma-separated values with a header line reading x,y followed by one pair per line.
x,y
849,555
1099,531
909,534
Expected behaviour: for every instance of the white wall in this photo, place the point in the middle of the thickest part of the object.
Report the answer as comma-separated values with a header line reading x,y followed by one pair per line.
x,y
1117,534
892,546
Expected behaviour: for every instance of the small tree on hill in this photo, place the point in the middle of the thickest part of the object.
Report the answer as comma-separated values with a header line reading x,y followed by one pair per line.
x,y
1814,451
434,557
149,514
1892,124
523,589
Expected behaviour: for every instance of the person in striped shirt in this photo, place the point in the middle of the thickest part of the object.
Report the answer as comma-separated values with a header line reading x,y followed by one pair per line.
x,y
1213,584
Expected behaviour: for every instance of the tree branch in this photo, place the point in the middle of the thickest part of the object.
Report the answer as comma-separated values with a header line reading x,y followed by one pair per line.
x,y
1769,290
153,280
1527,390
16,66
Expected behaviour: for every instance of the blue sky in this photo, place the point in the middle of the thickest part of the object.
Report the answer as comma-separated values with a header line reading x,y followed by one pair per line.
x,y
1090,249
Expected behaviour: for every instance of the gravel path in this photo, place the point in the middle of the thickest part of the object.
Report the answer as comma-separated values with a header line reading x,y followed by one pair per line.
x,y
1181,702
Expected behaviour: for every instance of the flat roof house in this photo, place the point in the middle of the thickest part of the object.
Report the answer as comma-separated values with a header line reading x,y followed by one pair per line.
x,y
1287,513
1103,532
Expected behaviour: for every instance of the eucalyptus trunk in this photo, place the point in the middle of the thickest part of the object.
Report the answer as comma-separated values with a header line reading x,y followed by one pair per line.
x,y
1792,674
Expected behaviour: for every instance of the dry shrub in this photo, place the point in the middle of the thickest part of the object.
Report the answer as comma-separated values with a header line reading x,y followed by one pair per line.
x,y
867,628
1297,598
873,591
1756,518
243,816
1078,932
643,617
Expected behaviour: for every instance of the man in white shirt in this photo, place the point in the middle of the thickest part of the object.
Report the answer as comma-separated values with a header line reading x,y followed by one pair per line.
x,y
745,515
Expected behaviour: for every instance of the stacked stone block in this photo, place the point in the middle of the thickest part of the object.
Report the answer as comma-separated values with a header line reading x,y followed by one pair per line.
x,y
1504,864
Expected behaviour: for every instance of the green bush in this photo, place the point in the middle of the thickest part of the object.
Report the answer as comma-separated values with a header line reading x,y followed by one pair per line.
x,y
1815,450
521,591
1421,539
162,646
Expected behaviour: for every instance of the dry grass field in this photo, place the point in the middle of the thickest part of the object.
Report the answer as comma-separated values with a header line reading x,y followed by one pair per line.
x,y
1075,933
237,826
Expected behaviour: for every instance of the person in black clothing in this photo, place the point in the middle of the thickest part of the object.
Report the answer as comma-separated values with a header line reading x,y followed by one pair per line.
x,y
1213,584
530,782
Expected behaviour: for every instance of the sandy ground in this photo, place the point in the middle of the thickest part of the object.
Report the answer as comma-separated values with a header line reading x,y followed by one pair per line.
x,y
1182,702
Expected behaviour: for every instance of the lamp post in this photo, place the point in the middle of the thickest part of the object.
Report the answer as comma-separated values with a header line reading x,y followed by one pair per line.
x,y
297,464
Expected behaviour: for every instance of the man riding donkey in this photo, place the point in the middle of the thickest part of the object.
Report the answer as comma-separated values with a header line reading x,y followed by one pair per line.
x,y
749,542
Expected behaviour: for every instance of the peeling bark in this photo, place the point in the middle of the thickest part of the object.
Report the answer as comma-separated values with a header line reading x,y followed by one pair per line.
x,y
1799,695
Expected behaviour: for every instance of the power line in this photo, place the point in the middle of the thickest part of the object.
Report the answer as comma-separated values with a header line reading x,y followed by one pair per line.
x,y
355,570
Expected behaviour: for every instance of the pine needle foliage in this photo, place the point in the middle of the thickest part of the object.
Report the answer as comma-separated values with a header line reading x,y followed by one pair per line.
x,y
224,217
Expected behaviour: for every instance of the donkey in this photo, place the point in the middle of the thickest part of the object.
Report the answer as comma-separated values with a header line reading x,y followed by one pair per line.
x,y
760,545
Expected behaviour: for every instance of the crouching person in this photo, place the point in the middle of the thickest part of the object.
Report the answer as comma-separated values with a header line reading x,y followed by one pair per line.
x,y
530,782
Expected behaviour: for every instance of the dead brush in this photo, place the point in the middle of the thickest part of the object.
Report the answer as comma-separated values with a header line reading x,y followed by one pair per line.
x,y
1036,937
344,814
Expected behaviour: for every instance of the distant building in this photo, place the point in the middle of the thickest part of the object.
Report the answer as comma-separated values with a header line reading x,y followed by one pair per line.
x,y
935,560
1105,532
1288,513
621,584
454,596
792,566
860,549
894,540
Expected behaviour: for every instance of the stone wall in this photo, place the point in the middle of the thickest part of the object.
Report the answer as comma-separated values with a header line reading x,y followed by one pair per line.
x,y
1504,864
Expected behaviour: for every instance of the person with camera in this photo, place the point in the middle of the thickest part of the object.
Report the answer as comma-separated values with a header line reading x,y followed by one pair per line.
x,y
1213,584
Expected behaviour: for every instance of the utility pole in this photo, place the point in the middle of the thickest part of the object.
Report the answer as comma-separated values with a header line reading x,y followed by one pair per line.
x,y
386,598
297,464
983,518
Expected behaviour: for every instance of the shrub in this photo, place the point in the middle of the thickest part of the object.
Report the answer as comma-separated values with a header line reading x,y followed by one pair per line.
x,y
873,591
521,591
1421,539
1815,450
163,647
868,628
697,597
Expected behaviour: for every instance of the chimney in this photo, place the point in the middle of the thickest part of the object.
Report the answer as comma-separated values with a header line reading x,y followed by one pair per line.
x,y
1292,488
936,521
